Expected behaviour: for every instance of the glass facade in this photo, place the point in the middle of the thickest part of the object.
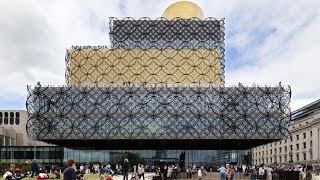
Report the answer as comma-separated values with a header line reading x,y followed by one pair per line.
x,y
44,155
150,157
58,155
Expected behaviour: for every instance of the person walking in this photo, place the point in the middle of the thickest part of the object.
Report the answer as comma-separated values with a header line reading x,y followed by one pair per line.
x,y
222,171
261,172
70,172
34,168
200,172
125,169
269,173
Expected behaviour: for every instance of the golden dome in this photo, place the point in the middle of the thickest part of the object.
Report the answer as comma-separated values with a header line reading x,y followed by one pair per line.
x,y
183,9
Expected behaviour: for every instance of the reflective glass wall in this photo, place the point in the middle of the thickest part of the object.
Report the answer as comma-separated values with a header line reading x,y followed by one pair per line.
x,y
59,155
44,155
183,157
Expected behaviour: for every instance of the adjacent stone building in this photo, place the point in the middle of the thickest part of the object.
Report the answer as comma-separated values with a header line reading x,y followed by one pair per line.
x,y
302,147
13,129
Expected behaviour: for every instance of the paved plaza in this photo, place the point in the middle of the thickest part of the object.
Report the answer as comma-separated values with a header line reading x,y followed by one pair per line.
x,y
209,176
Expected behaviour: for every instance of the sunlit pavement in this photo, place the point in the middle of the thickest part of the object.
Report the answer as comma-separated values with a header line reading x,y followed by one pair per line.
x,y
209,176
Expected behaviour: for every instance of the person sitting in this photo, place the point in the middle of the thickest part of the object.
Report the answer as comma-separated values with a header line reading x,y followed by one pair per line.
x,y
57,174
8,175
42,175
18,174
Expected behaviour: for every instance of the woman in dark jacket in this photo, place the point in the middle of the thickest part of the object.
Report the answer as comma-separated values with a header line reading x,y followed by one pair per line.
x,y
70,173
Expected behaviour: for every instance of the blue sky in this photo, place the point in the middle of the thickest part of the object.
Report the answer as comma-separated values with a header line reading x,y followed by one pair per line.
x,y
266,41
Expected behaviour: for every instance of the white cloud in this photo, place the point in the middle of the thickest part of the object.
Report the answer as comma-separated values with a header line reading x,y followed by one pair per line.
x,y
35,34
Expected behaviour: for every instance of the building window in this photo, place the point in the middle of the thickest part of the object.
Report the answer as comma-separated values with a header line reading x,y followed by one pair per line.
x,y
0,117
291,139
310,133
280,159
6,117
291,148
291,159
279,149
297,156
285,158
297,137
275,150
279,142
285,141
271,160
304,145
285,149
310,144
297,147
304,156
17,118
311,158
304,135
270,151
11,118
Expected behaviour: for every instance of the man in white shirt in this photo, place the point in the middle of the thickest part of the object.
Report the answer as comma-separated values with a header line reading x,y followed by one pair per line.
x,y
261,172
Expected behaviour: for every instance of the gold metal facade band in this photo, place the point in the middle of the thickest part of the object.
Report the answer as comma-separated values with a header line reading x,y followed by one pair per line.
x,y
93,66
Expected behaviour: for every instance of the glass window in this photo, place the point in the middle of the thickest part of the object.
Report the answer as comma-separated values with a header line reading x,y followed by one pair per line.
x,y
279,149
304,156
304,135
291,148
310,133
285,141
297,155
0,117
297,146
285,149
6,117
311,144
304,145
1,140
11,118
297,136
7,141
17,118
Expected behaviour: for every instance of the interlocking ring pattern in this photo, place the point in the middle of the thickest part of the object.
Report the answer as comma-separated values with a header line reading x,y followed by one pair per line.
x,y
99,65
161,33
158,112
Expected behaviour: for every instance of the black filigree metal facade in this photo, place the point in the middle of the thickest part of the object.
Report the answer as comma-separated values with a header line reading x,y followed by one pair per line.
x,y
160,85
146,33
161,112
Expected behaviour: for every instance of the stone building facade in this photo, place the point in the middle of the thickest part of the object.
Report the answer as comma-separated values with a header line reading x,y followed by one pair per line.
x,y
303,145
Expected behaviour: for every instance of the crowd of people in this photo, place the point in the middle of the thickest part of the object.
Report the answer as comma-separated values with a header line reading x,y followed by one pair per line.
x,y
164,171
